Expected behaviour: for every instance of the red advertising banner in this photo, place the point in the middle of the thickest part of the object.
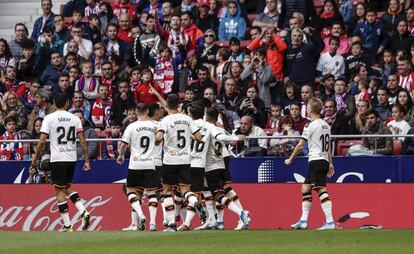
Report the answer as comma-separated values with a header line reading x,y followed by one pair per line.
x,y
272,206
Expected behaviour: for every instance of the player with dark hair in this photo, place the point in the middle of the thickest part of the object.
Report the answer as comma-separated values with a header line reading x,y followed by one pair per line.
x,y
62,128
176,130
317,134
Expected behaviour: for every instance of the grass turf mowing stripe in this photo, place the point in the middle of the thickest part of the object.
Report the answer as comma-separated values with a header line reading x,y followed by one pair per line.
x,y
255,241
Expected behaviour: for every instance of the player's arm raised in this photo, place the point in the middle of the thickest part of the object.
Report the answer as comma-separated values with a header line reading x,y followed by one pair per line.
x,y
39,149
296,151
84,145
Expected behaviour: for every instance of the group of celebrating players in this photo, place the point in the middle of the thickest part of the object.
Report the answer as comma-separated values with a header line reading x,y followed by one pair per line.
x,y
181,159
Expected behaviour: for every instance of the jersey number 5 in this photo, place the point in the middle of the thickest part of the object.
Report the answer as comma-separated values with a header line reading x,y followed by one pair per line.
x,y
325,142
70,135
181,139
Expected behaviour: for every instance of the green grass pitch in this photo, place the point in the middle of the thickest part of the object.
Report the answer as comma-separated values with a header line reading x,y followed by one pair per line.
x,y
211,242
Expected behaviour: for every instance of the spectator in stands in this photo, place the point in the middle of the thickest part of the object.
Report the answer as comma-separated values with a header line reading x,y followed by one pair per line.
x,y
306,93
358,17
13,150
6,57
122,102
301,59
270,18
110,149
203,82
89,133
45,21
327,87
106,16
398,125
205,20
149,40
79,103
410,20
153,6
92,7
29,65
35,134
167,12
345,8
263,72
274,116
275,49
76,19
254,106
47,44
356,58
338,30
28,99
305,7
344,100
406,79
87,82
101,112
331,62
401,39
363,93
144,93
235,70
124,31
283,147
12,107
383,108
250,147
9,82
237,53
233,25
115,46
382,146
206,54
61,31
371,33
92,31
229,95
298,121
70,60
191,30
405,101
358,122
328,15
124,6
392,17
222,58
98,58
393,89
64,86
337,120
44,106
85,46
290,95
20,35
108,78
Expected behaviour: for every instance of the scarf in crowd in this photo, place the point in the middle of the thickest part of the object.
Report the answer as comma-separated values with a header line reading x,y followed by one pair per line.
x,y
164,75
406,82
90,87
133,84
176,36
327,15
11,151
340,102
101,113
330,119
110,146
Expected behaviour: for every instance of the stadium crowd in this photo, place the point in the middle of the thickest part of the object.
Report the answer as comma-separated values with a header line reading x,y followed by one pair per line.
x,y
258,61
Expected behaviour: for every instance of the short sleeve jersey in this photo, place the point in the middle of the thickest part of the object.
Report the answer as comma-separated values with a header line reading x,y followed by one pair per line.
x,y
140,135
177,130
62,128
199,148
157,152
215,152
317,133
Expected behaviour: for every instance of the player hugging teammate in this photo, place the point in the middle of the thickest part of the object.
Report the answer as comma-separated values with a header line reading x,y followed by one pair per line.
x,y
192,163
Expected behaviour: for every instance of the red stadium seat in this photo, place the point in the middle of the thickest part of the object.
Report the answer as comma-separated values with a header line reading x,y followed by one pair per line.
x,y
397,147
342,146
251,18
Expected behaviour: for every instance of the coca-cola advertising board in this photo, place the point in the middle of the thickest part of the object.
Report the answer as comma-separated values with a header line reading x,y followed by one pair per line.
x,y
272,206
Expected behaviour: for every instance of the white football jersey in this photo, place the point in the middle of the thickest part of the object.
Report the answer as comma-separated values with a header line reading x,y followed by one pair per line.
x,y
157,152
62,128
177,130
215,152
199,148
140,135
317,133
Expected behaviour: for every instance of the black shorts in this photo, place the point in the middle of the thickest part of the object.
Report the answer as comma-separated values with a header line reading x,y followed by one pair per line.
x,y
216,179
176,174
227,162
197,179
318,170
145,179
159,170
62,172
